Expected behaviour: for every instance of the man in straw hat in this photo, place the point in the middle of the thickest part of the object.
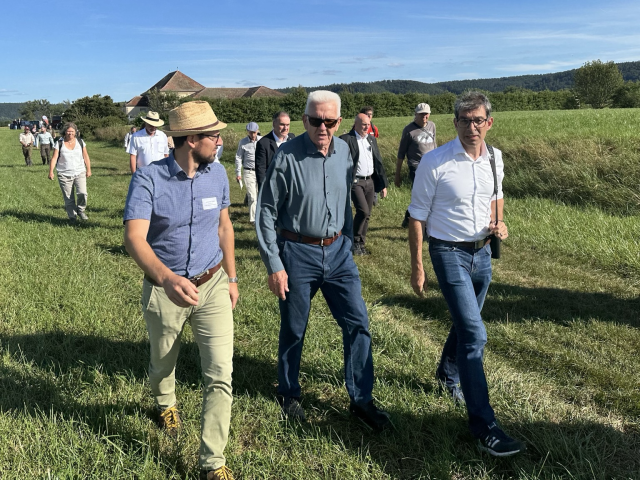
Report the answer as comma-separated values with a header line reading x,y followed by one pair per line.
x,y
149,144
177,229
305,234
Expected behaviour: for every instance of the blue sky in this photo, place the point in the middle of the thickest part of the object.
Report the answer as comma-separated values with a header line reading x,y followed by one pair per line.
x,y
67,50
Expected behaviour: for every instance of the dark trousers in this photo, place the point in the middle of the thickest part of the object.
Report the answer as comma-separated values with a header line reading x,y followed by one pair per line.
x,y
26,151
362,193
45,153
332,270
464,275
412,177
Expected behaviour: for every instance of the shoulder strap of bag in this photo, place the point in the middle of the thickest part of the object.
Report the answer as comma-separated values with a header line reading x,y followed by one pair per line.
x,y
492,161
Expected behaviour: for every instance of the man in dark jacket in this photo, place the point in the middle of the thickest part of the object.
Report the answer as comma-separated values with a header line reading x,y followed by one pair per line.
x,y
267,145
368,177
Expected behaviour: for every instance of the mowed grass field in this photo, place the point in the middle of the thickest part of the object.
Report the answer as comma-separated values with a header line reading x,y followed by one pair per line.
x,y
562,317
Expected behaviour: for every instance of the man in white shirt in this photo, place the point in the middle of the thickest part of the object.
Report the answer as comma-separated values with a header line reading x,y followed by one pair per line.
x,y
127,137
45,141
246,158
368,178
27,140
453,194
149,144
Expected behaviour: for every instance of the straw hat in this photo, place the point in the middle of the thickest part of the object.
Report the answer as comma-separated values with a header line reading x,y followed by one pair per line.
x,y
153,118
192,118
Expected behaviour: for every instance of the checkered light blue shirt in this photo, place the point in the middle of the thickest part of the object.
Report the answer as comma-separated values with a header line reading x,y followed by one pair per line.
x,y
183,212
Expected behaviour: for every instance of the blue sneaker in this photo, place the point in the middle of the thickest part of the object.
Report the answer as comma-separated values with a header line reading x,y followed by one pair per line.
x,y
498,444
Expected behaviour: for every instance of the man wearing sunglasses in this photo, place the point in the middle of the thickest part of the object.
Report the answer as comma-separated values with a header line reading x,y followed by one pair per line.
x,y
453,195
305,233
267,145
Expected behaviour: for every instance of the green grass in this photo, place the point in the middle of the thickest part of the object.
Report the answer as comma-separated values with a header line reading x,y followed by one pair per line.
x,y
561,315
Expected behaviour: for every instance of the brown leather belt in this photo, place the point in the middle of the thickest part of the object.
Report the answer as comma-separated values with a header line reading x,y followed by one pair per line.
x,y
323,242
475,245
198,280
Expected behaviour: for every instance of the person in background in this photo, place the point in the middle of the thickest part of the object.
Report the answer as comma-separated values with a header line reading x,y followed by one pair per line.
x,y
455,195
127,137
27,140
418,138
267,146
369,178
72,162
368,111
246,159
149,144
45,142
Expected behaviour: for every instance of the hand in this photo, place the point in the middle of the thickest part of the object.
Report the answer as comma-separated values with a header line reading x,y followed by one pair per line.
x,y
238,178
500,230
418,281
279,284
397,181
383,194
233,294
50,175
88,172
180,291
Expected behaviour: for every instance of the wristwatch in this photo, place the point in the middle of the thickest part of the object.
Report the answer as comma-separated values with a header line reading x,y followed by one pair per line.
x,y
233,279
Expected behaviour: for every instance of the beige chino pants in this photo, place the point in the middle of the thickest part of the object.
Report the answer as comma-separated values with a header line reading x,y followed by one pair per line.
x,y
252,192
212,325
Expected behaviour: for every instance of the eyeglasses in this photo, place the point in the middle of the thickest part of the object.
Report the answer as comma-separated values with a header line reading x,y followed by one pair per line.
x,y
328,122
212,137
465,122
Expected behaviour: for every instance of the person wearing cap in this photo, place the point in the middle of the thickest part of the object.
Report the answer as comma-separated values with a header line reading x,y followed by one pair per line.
x,y
304,227
369,178
267,145
45,142
178,230
418,138
457,195
246,158
149,144
27,140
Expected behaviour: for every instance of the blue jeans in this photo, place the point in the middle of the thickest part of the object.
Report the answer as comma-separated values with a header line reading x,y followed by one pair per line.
x,y
332,270
464,275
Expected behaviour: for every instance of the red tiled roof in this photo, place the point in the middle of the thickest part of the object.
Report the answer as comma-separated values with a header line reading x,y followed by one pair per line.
x,y
253,92
138,101
177,82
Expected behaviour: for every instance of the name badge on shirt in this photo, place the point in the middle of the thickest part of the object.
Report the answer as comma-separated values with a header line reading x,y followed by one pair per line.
x,y
209,203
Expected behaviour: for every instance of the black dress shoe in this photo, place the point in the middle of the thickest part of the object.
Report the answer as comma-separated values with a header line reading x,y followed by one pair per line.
x,y
371,415
291,408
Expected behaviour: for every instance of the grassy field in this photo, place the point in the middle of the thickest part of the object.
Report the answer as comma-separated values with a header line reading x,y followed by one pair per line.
x,y
562,319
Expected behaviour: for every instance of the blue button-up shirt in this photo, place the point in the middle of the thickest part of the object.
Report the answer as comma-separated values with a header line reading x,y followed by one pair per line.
x,y
183,212
306,193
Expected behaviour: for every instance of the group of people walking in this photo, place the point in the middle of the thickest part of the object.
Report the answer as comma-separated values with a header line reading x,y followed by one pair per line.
x,y
300,189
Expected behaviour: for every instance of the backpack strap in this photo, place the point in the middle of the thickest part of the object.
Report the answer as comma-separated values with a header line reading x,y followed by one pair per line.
x,y
492,161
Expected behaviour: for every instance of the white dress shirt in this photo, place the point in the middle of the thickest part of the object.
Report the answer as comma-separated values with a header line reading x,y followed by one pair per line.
x,y
452,193
365,158
278,141
148,148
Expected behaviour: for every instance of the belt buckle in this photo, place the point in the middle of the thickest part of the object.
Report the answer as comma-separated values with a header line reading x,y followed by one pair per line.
x,y
479,243
322,242
198,277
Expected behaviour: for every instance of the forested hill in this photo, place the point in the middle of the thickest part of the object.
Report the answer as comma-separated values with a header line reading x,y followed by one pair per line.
x,y
10,110
546,81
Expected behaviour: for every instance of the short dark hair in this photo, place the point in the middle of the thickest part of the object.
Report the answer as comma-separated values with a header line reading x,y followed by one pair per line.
x,y
470,101
279,114
178,142
366,108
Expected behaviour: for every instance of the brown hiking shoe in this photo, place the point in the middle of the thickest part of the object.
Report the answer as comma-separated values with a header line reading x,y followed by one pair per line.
x,y
169,421
222,473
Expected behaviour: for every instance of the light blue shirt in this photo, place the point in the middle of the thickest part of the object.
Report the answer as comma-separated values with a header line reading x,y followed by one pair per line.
x,y
184,213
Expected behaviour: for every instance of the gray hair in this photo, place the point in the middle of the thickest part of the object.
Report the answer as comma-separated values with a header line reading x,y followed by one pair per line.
x,y
470,101
68,126
323,96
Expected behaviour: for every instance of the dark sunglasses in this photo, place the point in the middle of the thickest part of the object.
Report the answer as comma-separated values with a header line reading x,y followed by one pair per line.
x,y
328,122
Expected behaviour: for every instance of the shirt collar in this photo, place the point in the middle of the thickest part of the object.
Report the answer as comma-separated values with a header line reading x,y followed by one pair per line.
x,y
358,136
459,149
311,148
174,168
277,137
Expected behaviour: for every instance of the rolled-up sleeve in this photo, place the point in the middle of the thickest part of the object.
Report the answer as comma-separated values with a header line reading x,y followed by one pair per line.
x,y
273,193
424,188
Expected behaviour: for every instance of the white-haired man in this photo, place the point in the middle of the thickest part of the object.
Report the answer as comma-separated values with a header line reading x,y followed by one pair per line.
x,y
305,234
246,159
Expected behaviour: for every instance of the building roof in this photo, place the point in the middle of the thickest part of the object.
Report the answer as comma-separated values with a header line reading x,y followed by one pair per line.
x,y
138,101
253,92
177,82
